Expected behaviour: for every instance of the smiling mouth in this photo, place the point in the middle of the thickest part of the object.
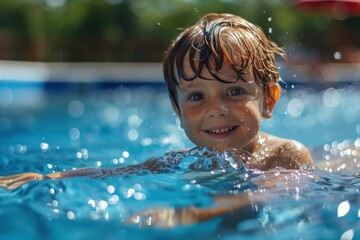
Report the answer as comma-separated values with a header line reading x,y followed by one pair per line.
x,y
220,130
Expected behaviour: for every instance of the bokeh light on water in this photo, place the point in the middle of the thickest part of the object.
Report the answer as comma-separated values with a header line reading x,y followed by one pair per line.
x,y
124,118
116,127
6,96
316,117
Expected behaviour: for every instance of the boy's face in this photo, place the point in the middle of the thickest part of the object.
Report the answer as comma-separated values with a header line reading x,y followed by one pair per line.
x,y
221,115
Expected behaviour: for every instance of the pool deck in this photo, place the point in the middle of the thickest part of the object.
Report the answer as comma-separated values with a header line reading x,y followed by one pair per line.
x,y
152,72
80,72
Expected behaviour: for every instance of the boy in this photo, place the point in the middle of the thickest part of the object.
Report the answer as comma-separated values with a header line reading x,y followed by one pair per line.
x,y
222,79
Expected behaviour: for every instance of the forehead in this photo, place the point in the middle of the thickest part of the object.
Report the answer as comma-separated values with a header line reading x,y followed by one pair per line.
x,y
202,84
193,68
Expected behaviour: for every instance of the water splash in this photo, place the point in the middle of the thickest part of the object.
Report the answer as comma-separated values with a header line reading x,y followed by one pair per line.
x,y
205,159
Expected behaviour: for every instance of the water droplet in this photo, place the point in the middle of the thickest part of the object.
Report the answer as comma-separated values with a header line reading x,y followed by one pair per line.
x,y
110,189
44,146
159,24
91,202
146,142
102,205
343,208
130,192
337,55
269,19
74,133
70,215
349,234
134,120
133,135
20,148
125,154
78,155
270,30
139,196
82,154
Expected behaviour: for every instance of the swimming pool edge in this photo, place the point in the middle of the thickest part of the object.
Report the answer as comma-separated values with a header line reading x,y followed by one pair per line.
x,y
151,72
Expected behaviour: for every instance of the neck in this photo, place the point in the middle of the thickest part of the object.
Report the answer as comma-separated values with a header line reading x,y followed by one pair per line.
x,y
257,143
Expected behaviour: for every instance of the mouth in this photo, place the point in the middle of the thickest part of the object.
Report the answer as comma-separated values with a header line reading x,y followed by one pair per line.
x,y
220,132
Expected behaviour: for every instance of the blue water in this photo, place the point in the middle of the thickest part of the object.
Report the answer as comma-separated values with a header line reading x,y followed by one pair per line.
x,y
65,126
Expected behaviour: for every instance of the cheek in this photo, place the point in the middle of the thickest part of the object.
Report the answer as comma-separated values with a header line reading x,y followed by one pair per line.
x,y
249,111
189,119
186,118
191,113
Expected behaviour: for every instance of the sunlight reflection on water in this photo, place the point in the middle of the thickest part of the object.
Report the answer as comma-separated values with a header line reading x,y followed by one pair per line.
x,y
117,127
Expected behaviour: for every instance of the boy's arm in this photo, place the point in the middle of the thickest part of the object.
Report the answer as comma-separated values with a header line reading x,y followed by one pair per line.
x,y
14,181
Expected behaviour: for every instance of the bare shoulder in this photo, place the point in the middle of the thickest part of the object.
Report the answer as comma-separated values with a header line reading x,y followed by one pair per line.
x,y
288,154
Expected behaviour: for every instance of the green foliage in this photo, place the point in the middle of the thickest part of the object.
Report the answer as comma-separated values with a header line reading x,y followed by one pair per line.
x,y
133,30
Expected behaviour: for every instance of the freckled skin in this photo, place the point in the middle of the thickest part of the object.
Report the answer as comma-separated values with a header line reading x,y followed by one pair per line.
x,y
208,107
280,153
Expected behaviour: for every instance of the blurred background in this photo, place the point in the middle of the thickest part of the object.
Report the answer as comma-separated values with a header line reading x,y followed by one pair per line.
x,y
313,32
94,67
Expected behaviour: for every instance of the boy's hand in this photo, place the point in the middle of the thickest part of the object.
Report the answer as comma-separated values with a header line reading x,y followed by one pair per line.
x,y
15,181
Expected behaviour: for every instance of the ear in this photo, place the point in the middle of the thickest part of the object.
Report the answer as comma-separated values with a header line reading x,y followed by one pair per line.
x,y
270,101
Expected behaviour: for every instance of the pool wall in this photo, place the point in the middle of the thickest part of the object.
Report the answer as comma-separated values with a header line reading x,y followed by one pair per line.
x,y
151,72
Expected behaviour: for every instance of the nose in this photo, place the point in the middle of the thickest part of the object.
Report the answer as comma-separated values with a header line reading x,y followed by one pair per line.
x,y
217,108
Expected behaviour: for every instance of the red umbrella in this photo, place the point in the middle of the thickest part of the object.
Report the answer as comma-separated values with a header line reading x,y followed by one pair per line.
x,y
340,9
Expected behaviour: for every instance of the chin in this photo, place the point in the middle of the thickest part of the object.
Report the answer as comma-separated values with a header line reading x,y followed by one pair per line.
x,y
221,147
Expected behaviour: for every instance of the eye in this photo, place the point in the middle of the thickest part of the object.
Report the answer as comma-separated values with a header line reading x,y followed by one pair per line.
x,y
235,91
196,96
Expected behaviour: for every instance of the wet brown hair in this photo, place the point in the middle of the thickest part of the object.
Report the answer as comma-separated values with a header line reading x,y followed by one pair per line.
x,y
216,38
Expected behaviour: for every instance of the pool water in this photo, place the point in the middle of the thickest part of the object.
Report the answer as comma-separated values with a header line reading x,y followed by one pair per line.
x,y
63,126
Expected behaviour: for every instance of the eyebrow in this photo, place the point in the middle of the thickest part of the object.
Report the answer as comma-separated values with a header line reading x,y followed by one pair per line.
x,y
189,84
194,84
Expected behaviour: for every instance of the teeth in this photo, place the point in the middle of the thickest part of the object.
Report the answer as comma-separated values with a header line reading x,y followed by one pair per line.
x,y
223,130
